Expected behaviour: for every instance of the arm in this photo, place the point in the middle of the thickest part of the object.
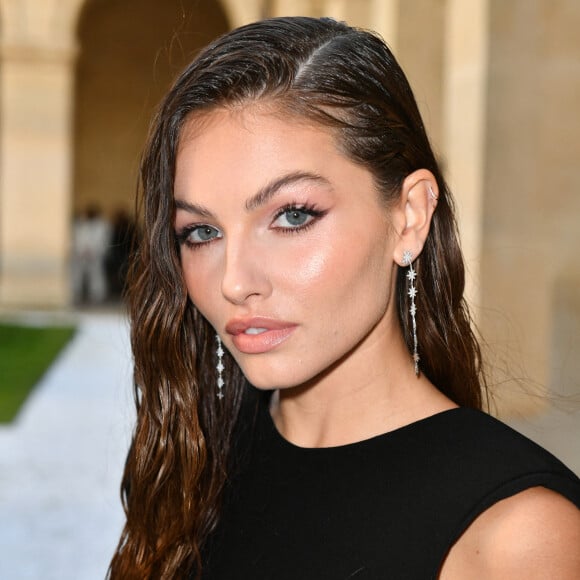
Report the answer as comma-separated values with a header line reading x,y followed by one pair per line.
x,y
534,535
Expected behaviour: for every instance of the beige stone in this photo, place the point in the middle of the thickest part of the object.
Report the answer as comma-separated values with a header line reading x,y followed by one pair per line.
x,y
37,49
531,202
121,76
240,13
420,49
465,78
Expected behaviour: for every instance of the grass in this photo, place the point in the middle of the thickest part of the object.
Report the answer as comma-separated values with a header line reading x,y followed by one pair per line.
x,y
26,352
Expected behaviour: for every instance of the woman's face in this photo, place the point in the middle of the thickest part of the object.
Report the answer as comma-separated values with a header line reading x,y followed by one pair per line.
x,y
286,248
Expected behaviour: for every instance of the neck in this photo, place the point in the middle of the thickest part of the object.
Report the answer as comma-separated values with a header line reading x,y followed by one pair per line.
x,y
351,402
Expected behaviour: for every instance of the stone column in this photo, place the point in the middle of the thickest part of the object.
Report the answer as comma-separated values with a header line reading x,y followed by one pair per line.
x,y
240,12
384,18
37,51
465,89
293,7
378,15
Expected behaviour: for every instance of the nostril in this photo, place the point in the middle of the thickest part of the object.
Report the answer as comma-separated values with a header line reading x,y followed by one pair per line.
x,y
244,279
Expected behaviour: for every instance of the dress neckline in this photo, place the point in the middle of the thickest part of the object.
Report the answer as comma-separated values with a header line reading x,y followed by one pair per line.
x,y
281,442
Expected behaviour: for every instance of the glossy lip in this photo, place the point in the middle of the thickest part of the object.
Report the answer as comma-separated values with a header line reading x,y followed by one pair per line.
x,y
277,331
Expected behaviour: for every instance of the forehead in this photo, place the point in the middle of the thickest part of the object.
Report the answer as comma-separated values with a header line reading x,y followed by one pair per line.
x,y
251,143
250,117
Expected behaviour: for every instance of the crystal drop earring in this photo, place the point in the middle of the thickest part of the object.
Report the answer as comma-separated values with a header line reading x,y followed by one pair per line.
x,y
220,367
412,293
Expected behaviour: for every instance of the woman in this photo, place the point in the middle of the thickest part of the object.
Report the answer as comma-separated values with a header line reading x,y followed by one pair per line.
x,y
308,383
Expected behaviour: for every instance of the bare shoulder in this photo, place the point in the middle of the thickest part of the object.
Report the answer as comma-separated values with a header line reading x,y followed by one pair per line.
x,y
532,535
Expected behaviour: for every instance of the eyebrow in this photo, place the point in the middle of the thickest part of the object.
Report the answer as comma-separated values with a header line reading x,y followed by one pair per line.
x,y
272,188
193,208
263,196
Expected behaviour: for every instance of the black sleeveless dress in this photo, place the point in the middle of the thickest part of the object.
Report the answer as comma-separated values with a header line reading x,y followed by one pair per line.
x,y
389,507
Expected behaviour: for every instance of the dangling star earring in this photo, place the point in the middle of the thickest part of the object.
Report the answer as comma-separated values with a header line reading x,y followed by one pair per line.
x,y
412,293
220,367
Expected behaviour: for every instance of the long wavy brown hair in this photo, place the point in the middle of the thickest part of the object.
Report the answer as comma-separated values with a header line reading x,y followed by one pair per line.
x,y
344,79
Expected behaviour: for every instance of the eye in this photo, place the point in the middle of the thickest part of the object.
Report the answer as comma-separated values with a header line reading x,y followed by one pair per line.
x,y
296,218
198,235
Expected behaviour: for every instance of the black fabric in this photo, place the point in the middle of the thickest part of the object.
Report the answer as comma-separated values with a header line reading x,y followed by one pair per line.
x,y
388,507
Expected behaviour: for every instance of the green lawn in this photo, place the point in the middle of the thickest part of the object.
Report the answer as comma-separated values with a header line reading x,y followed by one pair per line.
x,y
26,352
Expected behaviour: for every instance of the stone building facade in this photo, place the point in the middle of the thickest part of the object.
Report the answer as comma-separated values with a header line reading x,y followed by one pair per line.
x,y
498,82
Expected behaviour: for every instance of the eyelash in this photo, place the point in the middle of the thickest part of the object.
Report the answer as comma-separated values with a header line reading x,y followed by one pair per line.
x,y
183,235
310,210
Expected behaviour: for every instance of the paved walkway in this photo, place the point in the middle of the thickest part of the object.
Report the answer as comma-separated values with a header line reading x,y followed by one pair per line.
x,y
61,461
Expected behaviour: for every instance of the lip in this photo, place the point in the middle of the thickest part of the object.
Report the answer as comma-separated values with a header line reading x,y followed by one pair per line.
x,y
276,332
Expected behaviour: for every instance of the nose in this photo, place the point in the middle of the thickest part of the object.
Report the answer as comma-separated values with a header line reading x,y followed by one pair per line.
x,y
245,272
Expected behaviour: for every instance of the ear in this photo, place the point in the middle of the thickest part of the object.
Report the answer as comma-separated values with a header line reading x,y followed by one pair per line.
x,y
412,215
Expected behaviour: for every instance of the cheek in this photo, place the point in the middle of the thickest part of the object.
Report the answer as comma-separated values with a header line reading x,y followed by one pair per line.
x,y
358,302
312,270
313,277
347,276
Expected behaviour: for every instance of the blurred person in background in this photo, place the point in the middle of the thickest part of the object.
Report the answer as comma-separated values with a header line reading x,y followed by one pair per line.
x,y
309,386
90,243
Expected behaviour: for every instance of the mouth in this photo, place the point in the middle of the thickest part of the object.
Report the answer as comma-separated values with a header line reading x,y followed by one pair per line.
x,y
255,331
259,335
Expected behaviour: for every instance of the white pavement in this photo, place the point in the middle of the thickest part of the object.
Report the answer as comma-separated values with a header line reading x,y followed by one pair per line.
x,y
61,461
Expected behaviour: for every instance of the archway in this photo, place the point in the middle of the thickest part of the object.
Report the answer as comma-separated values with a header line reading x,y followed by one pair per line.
x,y
130,52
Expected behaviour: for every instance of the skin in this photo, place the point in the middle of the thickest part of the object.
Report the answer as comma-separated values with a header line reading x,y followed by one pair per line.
x,y
534,535
337,251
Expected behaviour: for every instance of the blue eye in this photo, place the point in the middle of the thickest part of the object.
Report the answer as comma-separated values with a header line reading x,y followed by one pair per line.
x,y
203,234
198,235
293,218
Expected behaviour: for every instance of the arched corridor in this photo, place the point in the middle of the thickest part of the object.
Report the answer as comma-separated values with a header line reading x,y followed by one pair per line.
x,y
123,69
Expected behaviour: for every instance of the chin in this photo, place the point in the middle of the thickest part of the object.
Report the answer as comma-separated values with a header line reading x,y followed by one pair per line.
x,y
272,385
271,379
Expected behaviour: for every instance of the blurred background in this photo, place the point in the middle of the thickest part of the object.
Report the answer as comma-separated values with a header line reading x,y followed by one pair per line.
x,y
498,83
